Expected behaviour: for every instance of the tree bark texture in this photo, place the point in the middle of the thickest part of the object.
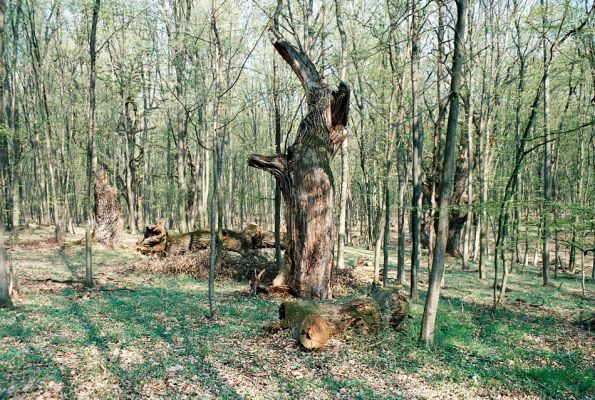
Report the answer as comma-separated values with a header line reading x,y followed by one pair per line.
x,y
314,324
108,221
305,177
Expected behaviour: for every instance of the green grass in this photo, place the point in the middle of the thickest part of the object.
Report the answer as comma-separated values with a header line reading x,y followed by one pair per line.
x,y
157,341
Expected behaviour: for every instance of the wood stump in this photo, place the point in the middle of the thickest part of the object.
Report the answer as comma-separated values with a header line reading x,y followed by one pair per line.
x,y
107,212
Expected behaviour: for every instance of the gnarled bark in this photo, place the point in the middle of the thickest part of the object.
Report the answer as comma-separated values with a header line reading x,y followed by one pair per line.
x,y
108,222
305,178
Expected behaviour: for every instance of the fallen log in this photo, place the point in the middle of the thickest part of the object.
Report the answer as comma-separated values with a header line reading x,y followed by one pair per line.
x,y
158,241
313,324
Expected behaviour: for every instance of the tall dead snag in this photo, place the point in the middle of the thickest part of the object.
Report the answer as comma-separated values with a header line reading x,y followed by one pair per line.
x,y
305,177
108,222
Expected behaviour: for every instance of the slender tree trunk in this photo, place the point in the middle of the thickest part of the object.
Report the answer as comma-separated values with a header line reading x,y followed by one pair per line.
x,y
446,186
344,147
484,223
386,235
418,140
470,158
401,214
216,145
547,162
278,198
91,157
5,300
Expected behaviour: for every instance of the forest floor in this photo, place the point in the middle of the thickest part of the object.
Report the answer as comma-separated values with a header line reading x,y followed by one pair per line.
x,y
140,335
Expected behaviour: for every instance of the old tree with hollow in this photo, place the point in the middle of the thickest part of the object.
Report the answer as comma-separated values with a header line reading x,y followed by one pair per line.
x,y
305,177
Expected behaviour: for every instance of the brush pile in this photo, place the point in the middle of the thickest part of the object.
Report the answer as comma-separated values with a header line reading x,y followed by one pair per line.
x,y
233,265
158,241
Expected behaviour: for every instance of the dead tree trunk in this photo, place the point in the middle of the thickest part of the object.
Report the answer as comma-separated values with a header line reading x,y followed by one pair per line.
x,y
108,223
305,177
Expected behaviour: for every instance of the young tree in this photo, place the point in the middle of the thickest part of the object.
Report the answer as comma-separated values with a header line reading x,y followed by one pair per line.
x,y
418,144
344,147
91,156
446,185
547,154
5,300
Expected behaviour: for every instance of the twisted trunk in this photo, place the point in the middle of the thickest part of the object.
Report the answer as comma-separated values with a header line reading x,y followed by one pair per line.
x,y
305,178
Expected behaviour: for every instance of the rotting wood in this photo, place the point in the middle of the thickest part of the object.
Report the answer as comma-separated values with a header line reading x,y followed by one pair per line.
x,y
313,325
158,241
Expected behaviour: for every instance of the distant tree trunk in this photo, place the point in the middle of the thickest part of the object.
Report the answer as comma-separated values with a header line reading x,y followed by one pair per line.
x,y
278,198
469,222
216,145
14,172
91,157
446,185
43,104
547,160
130,127
344,148
470,158
5,301
386,236
418,141
484,145
169,208
402,177
430,197
305,176
387,172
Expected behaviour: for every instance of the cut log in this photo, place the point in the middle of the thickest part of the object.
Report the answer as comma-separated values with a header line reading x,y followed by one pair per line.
x,y
313,324
108,221
156,240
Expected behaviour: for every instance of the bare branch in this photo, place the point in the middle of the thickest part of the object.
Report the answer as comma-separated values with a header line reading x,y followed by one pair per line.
x,y
275,164
300,63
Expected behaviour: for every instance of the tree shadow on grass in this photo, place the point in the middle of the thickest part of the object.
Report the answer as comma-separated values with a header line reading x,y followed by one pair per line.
x,y
513,344
171,317
37,364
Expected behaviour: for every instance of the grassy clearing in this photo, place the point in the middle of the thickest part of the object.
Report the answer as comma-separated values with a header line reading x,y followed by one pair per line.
x,y
156,341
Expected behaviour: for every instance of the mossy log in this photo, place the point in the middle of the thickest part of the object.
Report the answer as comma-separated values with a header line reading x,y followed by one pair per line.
x,y
313,324
156,240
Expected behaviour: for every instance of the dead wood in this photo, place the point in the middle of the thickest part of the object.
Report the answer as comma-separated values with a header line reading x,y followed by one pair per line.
x,y
254,284
313,324
158,241
107,212
233,265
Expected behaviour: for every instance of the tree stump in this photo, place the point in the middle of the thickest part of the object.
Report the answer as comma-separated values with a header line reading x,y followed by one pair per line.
x,y
107,211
